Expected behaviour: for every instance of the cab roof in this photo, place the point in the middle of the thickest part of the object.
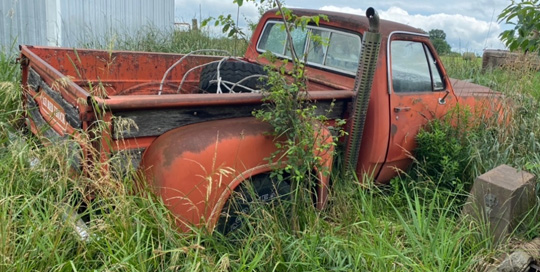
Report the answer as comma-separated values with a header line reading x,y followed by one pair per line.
x,y
351,22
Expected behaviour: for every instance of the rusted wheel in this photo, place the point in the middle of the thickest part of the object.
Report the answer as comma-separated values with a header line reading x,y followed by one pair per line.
x,y
246,198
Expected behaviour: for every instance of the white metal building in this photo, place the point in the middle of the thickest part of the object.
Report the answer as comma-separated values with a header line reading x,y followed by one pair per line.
x,y
72,23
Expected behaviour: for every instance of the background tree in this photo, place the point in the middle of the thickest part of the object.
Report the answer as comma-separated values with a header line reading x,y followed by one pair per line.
x,y
525,16
438,39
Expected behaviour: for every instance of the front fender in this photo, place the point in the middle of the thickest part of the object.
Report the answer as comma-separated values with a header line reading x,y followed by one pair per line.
x,y
195,168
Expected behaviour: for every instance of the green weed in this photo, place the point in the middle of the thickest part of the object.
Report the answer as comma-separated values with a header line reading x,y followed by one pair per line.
x,y
150,39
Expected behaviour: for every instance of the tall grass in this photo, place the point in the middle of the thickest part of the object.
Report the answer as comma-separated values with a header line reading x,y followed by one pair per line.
x,y
414,225
515,142
491,142
151,39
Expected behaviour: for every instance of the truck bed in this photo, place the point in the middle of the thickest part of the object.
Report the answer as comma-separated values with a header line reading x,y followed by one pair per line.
x,y
67,89
113,73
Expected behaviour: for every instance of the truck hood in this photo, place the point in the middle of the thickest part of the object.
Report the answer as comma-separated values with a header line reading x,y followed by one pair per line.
x,y
464,88
482,100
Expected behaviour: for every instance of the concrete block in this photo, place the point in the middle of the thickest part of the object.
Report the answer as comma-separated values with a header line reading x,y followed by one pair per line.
x,y
500,198
494,58
518,261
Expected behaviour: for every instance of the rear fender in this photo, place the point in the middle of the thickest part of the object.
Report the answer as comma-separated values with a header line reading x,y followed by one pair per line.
x,y
195,168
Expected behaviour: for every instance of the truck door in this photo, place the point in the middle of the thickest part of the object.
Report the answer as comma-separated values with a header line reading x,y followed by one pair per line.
x,y
418,92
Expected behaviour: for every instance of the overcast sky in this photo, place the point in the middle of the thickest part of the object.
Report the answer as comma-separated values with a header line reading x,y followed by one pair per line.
x,y
469,25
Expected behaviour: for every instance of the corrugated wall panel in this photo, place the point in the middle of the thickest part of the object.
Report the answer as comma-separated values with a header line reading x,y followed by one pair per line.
x,y
87,22
79,22
22,22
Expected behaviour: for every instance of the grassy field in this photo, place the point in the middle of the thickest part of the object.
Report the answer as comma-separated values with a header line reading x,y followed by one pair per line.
x,y
412,225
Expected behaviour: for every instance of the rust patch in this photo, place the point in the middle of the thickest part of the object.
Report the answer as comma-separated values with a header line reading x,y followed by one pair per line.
x,y
393,130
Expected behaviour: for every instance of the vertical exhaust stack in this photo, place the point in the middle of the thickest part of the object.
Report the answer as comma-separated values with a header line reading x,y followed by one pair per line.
x,y
362,87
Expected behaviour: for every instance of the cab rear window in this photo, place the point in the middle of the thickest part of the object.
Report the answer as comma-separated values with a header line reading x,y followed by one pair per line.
x,y
321,47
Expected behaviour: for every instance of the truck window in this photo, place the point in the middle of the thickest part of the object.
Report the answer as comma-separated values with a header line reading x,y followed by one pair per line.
x,y
299,38
326,48
273,39
343,52
318,46
438,84
413,68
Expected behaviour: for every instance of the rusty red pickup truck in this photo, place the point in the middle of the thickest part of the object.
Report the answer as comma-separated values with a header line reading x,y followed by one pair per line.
x,y
186,121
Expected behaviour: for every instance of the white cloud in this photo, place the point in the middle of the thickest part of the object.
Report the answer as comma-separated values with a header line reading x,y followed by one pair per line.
x,y
463,33
350,10
486,10
186,10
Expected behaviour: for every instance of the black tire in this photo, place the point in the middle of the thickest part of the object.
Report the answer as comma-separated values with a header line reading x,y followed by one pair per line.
x,y
262,189
232,71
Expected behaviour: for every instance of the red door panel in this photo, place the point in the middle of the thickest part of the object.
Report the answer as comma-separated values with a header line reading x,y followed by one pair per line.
x,y
418,93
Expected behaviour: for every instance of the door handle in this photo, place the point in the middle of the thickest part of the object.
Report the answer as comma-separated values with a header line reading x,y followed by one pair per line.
x,y
400,109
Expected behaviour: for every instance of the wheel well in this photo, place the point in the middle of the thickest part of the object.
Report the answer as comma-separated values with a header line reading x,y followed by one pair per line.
x,y
317,189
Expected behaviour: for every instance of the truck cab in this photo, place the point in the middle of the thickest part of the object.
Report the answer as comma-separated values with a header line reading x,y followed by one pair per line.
x,y
410,86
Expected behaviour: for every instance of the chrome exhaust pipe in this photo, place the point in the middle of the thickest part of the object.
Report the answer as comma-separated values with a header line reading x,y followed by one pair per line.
x,y
362,87
373,18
